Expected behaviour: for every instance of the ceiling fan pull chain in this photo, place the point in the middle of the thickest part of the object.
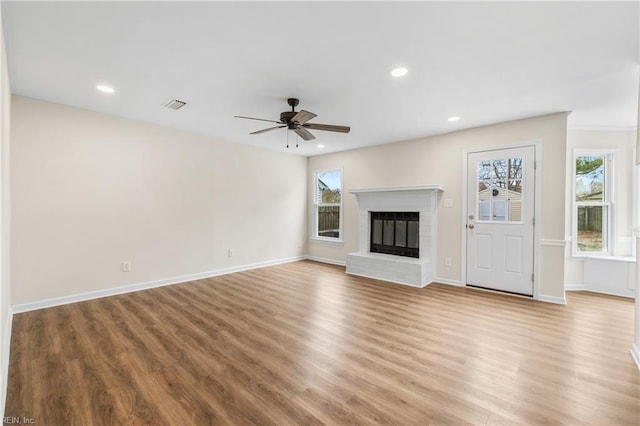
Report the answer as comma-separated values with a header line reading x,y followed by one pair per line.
x,y
297,138
287,138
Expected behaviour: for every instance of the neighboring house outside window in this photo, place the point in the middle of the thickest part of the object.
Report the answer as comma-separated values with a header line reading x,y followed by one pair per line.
x,y
593,201
328,205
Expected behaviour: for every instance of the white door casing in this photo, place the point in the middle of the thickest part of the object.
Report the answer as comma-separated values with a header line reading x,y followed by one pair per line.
x,y
500,219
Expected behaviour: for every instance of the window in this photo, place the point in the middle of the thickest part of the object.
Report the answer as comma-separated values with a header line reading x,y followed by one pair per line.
x,y
328,205
592,203
499,187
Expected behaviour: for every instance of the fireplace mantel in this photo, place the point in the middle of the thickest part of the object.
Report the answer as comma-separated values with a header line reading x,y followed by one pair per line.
x,y
415,188
403,270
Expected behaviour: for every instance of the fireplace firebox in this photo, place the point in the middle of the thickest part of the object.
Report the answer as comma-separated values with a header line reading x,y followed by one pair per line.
x,y
396,233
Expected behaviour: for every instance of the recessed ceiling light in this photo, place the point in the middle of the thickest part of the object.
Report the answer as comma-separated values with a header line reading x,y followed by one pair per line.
x,y
320,146
454,118
399,72
105,89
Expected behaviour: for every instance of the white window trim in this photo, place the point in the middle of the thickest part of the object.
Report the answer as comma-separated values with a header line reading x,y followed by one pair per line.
x,y
635,187
609,181
314,206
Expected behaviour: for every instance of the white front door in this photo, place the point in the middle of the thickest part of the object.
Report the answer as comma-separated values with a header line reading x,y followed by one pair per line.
x,y
500,219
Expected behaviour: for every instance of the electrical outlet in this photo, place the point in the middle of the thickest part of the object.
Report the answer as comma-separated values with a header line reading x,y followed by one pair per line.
x,y
126,266
230,252
447,261
299,244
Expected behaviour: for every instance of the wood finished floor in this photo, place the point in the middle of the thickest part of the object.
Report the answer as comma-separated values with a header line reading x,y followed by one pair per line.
x,y
304,343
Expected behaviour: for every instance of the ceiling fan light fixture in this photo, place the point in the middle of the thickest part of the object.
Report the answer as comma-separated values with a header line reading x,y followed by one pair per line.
x,y
399,72
453,118
320,146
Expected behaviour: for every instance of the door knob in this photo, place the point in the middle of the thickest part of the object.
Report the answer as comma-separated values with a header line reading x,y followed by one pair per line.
x,y
471,226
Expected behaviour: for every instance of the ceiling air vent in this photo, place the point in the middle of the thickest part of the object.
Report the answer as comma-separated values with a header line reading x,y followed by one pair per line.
x,y
175,104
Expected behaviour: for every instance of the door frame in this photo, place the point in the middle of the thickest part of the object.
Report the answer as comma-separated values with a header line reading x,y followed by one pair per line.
x,y
537,208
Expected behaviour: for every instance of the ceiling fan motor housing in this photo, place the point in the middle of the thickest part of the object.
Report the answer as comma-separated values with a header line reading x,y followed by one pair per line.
x,y
286,116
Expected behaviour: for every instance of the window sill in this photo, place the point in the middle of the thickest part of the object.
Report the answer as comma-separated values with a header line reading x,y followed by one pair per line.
x,y
601,256
335,241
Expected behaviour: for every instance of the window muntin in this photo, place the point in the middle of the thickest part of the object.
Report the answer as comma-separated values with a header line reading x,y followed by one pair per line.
x,y
328,204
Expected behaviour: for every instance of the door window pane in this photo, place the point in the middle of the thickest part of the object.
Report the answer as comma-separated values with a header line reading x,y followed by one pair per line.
x,y
484,170
500,190
514,185
515,168
500,211
499,169
515,211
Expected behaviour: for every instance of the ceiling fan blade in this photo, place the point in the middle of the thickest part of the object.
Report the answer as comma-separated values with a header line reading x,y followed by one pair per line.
x,y
303,116
327,127
304,133
257,132
253,118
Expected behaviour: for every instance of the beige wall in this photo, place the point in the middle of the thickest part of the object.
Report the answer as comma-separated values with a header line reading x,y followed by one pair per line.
x,y
92,190
439,160
623,142
5,221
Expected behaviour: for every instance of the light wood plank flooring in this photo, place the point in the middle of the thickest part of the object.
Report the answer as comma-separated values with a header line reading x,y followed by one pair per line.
x,y
304,343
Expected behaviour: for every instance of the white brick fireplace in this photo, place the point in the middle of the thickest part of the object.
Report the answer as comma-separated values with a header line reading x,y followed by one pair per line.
x,y
398,269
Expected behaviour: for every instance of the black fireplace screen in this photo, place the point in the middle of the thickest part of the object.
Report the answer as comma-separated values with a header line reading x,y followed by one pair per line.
x,y
395,233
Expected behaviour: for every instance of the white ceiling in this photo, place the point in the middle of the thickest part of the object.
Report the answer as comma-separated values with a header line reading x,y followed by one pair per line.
x,y
485,62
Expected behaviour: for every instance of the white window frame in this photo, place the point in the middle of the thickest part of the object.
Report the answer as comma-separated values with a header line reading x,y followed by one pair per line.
x,y
316,205
635,200
607,203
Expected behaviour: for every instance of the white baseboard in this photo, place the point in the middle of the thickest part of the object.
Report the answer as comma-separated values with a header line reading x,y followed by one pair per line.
x,y
325,260
4,367
447,281
580,287
635,354
80,297
552,299
609,293
574,287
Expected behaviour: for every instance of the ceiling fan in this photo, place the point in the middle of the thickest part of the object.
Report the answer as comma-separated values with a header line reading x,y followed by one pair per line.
x,y
298,122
